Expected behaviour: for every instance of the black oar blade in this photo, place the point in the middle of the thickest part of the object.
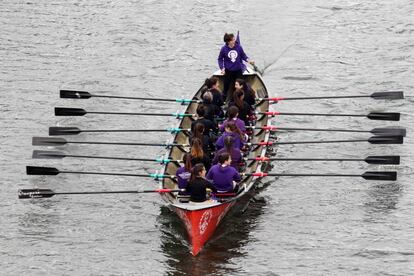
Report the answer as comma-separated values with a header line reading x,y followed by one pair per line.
x,y
380,176
386,140
32,170
48,141
389,131
35,193
390,95
73,94
47,154
63,111
384,159
64,131
384,116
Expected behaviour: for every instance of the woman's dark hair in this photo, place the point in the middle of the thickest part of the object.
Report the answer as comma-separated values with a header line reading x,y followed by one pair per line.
x,y
238,98
208,97
187,161
228,144
242,82
199,131
228,37
201,111
246,88
223,157
210,82
197,148
234,128
196,171
232,112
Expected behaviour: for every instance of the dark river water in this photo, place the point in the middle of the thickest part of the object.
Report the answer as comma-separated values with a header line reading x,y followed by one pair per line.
x,y
294,226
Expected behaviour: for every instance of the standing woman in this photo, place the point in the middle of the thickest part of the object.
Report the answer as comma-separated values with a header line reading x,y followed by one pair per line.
x,y
230,61
198,185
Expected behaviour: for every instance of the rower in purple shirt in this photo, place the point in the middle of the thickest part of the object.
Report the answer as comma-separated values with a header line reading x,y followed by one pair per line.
x,y
230,60
231,130
223,175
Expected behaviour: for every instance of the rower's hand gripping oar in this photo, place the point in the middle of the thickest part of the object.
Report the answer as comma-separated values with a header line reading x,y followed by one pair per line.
x,y
74,130
45,154
64,111
383,116
33,170
45,193
377,131
75,94
382,159
57,141
388,95
370,175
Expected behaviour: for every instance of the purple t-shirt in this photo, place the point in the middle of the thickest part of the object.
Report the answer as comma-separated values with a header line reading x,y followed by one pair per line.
x,y
238,143
239,123
236,157
232,58
223,177
182,177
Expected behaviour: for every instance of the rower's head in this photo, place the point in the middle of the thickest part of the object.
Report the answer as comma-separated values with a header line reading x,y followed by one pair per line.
x,y
239,84
229,39
201,111
199,130
197,171
230,127
211,83
208,97
233,112
224,158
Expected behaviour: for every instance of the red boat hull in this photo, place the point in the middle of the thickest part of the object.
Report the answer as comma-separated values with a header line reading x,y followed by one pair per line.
x,y
201,224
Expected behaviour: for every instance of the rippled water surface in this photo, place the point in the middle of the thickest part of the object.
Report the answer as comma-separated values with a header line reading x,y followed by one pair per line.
x,y
295,226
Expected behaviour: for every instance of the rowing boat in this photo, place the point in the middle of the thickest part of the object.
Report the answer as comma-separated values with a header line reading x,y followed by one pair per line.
x,y
201,219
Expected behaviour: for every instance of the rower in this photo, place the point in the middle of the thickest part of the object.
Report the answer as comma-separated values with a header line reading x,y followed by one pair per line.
x,y
212,111
209,126
235,154
232,114
198,155
249,93
207,144
183,174
231,130
212,85
224,176
198,185
245,110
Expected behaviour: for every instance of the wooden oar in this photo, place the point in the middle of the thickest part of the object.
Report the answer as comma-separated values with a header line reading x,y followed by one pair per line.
x,y
371,140
74,130
370,175
384,116
45,154
376,131
382,159
64,111
44,193
33,170
75,94
57,141
388,95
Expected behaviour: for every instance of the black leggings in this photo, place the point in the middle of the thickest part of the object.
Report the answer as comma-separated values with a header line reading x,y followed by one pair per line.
x,y
229,80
